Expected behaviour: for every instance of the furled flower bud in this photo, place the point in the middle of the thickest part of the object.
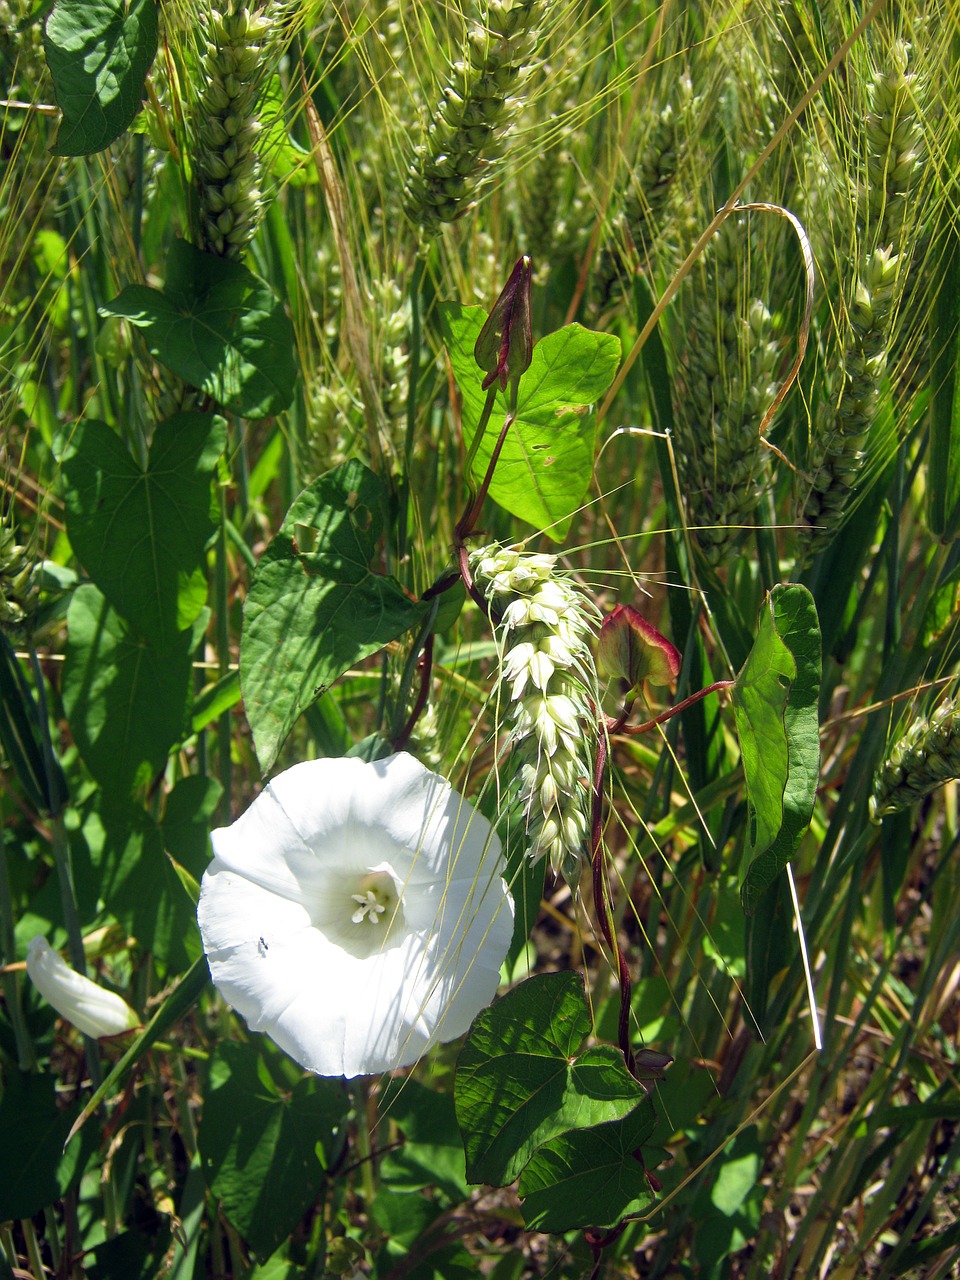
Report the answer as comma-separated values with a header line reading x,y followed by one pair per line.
x,y
504,348
631,650
91,1008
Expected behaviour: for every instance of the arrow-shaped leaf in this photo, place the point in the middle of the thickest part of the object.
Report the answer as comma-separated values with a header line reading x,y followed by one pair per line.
x,y
521,1080
218,327
544,470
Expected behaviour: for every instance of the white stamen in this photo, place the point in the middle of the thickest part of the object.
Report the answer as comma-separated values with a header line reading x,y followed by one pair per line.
x,y
370,908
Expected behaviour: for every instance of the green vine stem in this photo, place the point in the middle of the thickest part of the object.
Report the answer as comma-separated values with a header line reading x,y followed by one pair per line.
x,y
26,1056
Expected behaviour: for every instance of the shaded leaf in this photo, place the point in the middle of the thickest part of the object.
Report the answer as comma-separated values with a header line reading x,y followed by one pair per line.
x,y
943,458
188,815
431,1154
33,1125
99,53
24,739
132,1255
138,881
218,327
589,1177
125,696
315,607
407,1223
141,532
182,998
258,1148
770,946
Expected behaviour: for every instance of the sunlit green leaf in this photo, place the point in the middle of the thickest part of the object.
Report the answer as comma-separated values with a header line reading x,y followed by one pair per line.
x,y
727,1206
544,470
214,700
775,702
315,607
521,1080
99,53
759,698
287,161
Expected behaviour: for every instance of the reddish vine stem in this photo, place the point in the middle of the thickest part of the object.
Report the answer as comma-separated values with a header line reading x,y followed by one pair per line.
x,y
442,584
619,725
604,909
425,669
463,559
597,1241
467,522
465,526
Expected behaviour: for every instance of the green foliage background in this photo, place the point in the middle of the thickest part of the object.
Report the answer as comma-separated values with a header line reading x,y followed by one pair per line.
x,y
237,395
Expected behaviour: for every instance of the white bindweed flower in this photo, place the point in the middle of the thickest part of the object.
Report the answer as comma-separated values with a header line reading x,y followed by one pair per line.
x,y
357,913
91,1008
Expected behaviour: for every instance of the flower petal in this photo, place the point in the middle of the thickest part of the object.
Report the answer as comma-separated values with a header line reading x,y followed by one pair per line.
x,y
422,815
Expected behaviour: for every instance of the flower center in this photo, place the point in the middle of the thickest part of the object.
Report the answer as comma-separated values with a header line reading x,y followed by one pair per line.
x,y
376,901
359,910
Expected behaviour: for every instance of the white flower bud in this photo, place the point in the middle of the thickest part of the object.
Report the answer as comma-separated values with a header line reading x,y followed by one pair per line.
x,y
91,1008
